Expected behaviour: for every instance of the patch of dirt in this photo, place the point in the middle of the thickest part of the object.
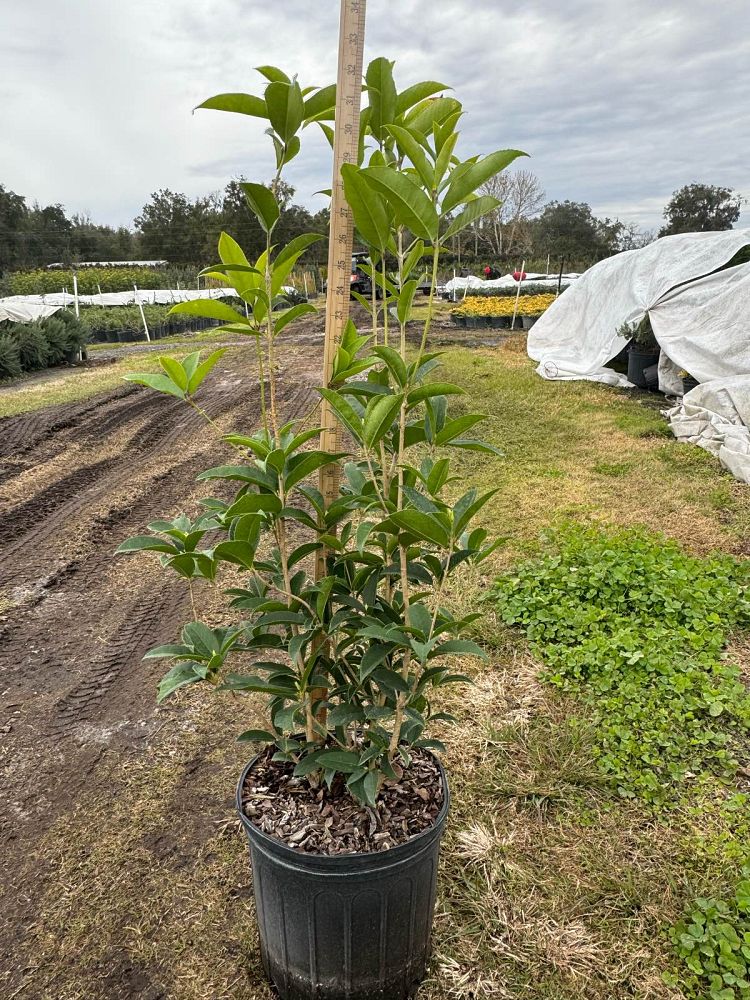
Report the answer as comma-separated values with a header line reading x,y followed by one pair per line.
x,y
330,821
75,621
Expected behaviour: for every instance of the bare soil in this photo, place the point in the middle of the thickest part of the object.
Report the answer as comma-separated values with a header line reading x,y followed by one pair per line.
x,y
75,621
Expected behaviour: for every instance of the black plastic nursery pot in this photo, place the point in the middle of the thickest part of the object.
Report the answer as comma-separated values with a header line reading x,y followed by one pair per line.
x,y
500,322
688,383
458,319
528,321
346,927
638,361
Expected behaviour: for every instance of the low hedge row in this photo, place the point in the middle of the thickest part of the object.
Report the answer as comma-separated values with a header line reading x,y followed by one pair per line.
x,y
90,279
26,347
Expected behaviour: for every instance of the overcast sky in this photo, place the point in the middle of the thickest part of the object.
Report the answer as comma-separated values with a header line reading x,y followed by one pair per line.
x,y
618,102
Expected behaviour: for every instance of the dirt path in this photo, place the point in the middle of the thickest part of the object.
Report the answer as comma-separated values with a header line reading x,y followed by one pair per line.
x,y
75,480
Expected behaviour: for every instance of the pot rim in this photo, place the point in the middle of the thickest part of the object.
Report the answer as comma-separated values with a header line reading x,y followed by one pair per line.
x,y
276,845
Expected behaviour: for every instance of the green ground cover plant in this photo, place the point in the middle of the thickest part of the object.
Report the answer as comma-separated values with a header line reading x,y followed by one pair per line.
x,y
714,941
635,625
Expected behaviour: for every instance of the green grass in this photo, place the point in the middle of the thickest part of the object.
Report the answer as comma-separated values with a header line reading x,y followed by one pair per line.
x,y
71,385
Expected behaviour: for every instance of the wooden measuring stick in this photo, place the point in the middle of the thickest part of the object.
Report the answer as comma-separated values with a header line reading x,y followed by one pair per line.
x,y
345,150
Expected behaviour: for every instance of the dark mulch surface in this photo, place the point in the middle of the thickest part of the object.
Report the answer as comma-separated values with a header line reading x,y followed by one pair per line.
x,y
323,821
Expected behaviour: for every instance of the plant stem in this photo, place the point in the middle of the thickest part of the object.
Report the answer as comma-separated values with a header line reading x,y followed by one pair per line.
x,y
385,305
428,318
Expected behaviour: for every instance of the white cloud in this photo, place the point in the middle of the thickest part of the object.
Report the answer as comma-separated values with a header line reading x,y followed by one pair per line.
x,y
617,103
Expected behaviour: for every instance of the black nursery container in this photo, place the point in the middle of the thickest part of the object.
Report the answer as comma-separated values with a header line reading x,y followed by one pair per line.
x,y
349,927
638,361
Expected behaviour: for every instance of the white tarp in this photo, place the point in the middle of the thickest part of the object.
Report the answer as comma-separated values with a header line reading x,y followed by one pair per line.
x,y
700,317
26,308
506,281
577,335
716,416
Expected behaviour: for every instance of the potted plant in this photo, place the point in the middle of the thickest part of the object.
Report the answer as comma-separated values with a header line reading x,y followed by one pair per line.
x,y
340,619
643,352
688,382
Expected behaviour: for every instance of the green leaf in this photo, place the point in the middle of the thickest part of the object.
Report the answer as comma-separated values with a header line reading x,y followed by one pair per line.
x,y
256,736
409,146
252,503
241,553
476,209
424,115
393,361
272,73
419,524
286,108
443,160
261,200
175,371
242,104
303,465
211,309
457,426
288,257
344,411
413,257
416,93
379,416
381,93
368,207
180,675
322,104
431,389
405,299
162,383
144,543
204,368
464,646
411,205
335,760
464,185
239,273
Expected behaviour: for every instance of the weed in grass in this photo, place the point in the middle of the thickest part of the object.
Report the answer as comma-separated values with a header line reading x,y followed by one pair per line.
x,y
713,939
642,424
613,469
721,497
637,627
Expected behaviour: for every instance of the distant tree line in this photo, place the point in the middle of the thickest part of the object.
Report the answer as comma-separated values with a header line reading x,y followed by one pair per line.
x,y
171,227
182,230
526,226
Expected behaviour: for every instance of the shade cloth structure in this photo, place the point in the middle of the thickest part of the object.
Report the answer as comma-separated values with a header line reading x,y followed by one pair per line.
x,y
27,308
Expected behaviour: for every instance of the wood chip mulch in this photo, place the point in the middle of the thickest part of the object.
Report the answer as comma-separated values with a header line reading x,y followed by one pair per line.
x,y
319,821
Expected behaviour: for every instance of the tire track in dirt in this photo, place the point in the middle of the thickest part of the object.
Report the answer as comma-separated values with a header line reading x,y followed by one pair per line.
x,y
85,581
18,435
49,513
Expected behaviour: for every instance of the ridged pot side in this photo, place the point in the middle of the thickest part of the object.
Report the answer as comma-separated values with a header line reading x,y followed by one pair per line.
x,y
345,927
